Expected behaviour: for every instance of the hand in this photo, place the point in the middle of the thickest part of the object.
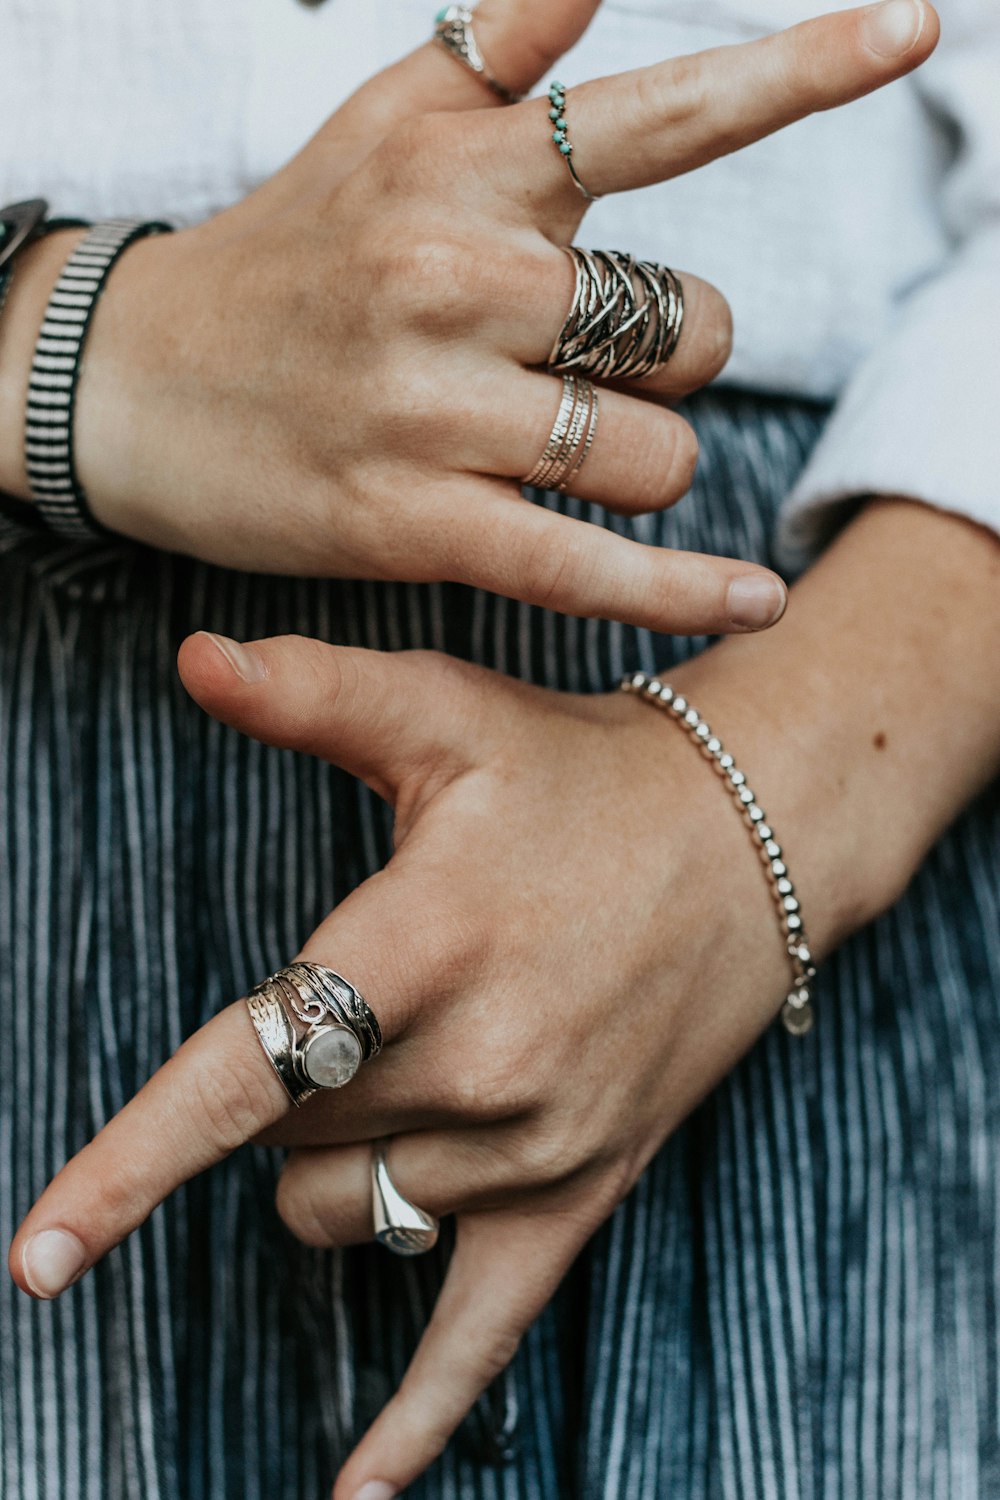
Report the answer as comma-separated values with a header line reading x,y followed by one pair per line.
x,y
341,375
555,1007
541,1053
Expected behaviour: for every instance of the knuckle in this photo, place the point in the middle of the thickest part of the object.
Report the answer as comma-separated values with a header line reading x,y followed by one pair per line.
x,y
685,456
446,943
551,568
498,1349
226,1108
300,1209
434,281
477,1088
709,327
401,163
548,1154
676,93
662,459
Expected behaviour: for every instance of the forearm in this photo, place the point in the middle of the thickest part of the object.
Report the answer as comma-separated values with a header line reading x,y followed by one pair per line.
x,y
870,716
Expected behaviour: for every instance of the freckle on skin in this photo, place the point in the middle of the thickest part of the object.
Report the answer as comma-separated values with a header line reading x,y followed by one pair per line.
x,y
879,741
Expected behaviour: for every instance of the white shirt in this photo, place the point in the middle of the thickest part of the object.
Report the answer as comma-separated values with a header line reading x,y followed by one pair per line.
x,y
860,249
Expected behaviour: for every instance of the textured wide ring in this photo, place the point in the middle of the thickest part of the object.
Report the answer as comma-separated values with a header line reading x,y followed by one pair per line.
x,y
315,1028
453,31
625,318
571,438
400,1225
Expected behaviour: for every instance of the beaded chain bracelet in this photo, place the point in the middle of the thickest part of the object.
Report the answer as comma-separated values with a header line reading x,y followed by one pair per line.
x,y
797,1011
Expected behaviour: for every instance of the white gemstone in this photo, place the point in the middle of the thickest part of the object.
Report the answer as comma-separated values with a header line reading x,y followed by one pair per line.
x,y
332,1057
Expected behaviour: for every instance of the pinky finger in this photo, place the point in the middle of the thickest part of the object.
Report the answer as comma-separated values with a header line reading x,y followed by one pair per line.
x,y
506,1266
513,547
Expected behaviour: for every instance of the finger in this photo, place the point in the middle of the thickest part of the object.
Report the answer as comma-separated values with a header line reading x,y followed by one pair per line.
x,y
642,457
505,1268
519,41
380,715
532,296
513,547
325,1192
216,1092
654,123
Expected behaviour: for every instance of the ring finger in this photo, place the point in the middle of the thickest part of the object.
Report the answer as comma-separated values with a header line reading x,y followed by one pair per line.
x,y
325,1194
641,457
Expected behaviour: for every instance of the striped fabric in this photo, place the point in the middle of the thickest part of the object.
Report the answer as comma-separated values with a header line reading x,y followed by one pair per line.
x,y
797,1302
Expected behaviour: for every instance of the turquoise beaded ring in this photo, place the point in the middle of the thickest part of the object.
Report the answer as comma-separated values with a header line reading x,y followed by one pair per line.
x,y
560,135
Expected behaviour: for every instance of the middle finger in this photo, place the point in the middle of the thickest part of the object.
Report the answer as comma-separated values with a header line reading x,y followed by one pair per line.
x,y
538,291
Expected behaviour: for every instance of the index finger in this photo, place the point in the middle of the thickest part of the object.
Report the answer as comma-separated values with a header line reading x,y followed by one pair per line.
x,y
214,1094
658,122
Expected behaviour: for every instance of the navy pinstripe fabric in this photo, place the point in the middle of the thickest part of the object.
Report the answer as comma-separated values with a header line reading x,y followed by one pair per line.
x,y
798,1301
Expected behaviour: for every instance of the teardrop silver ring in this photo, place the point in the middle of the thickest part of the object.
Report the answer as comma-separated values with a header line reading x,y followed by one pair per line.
x,y
400,1225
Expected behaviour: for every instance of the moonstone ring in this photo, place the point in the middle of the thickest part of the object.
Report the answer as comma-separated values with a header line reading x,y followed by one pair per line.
x,y
315,1028
400,1225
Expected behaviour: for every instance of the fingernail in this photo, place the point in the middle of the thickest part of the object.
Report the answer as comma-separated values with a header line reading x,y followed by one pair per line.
x,y
892,28
377,1489
244,660
755,601
51,1260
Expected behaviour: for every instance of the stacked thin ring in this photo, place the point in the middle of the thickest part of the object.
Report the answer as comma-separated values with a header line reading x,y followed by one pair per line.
x,y
571,438
625,318
315,1028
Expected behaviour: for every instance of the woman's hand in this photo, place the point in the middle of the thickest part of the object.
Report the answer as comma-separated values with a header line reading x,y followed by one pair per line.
x,y
342,375
573,941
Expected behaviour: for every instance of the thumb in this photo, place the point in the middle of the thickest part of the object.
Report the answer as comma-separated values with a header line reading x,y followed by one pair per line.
x,y
386,717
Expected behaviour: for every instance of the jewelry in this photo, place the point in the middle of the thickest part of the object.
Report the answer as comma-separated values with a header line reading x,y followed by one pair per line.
x,y
560,135
315,1028
21,224
571,439
453,30
797,1011
400,1225
625,318
55,371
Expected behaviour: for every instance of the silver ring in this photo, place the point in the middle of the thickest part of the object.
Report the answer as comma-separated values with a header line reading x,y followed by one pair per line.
x,y
315,1028
453,30
625,318
400,1225
571,438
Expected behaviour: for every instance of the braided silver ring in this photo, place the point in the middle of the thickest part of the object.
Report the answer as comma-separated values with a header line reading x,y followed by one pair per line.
x,y
315,1028
625,318
400,1225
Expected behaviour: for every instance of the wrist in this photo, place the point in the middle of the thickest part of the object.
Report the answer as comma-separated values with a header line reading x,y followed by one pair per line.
x,y
863,720
35,275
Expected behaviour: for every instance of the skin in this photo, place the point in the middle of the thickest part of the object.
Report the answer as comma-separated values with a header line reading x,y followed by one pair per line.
x,y
618,868
602,822
285,388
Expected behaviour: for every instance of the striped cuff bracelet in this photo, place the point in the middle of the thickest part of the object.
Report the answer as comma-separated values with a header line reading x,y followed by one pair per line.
x,y
55,373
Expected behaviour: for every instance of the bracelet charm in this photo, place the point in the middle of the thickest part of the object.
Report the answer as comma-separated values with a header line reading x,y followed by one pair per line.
x,y
797,1010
